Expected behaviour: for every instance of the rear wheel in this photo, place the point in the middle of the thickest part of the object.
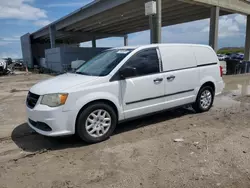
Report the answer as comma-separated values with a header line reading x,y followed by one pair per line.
x,y
204,99
96,123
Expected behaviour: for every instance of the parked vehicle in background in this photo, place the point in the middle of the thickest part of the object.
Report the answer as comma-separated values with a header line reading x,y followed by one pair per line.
x,y
222,57
235,56
3,67
121,84
227,56
241,56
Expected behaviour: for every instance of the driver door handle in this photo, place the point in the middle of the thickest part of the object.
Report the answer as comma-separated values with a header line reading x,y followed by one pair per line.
x,y
157,80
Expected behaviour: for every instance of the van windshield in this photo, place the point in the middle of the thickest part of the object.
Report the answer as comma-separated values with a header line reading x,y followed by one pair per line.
x,y
104,63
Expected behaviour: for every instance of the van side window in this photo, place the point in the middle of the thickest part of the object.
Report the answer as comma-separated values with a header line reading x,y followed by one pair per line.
x,y
145,62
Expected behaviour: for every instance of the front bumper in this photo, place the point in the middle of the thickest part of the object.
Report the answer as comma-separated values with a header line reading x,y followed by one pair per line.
x,y
59,123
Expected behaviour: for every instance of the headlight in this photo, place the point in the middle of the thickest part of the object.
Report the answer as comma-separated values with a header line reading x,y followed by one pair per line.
x,y
54,100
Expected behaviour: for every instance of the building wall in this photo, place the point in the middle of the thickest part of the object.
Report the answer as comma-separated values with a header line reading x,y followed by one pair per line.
x,y
59,59
38,50
26,50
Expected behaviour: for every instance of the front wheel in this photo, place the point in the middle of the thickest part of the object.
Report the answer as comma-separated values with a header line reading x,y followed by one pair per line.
x,y
96,123
204,99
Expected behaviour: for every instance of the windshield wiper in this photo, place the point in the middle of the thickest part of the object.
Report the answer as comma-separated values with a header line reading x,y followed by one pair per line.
x,y
84,73
81,73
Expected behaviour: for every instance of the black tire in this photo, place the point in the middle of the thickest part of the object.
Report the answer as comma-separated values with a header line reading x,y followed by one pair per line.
x,y
197,105
81,130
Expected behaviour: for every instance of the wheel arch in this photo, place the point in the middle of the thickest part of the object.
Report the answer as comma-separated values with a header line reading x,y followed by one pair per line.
x,y
209,83
106,101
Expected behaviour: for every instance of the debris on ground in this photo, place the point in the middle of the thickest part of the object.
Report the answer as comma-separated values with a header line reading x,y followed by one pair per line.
x,y
196,143
245,136
179,140
9,68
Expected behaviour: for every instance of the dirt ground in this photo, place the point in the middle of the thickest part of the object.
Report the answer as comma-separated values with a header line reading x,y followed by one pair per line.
x,y
141,154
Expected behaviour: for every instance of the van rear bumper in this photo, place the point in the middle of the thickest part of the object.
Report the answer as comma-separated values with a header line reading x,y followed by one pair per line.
x,y
219,87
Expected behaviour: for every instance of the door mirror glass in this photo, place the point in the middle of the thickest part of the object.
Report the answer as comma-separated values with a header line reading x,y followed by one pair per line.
x,y
128,72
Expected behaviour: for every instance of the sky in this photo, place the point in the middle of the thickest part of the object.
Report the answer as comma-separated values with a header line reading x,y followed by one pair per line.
x,y
18,17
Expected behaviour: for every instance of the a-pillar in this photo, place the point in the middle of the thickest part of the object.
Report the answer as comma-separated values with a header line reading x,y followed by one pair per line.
x,y
247,44
52,36
214,28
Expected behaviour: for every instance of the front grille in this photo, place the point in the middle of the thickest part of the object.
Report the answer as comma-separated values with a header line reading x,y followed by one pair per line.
x,y
32,100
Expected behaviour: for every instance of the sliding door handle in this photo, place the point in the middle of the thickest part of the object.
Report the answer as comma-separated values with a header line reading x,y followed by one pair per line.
x,y
171,78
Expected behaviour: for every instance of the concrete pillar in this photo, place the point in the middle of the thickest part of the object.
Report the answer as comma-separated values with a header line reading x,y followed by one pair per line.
x,y
155,23
247,42
158,20
152,29
126,40
93,42
52,36
214,27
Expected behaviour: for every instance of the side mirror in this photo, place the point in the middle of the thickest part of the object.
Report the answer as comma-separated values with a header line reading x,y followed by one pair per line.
x,y
128,72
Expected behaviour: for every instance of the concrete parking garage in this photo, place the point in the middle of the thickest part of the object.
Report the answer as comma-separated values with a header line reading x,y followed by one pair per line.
x,y
108,18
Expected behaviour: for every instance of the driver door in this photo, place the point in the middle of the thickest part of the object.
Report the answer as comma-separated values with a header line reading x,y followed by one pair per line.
x,y
144,92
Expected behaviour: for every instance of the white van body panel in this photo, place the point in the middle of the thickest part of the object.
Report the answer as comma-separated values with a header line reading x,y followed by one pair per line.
x,y
172,60
205,55
184,68
182,89
136,90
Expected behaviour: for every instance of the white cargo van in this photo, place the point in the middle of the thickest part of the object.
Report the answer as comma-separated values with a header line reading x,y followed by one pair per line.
x,y
124,83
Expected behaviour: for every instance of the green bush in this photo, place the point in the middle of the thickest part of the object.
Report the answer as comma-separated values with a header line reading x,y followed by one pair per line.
x,y
230,50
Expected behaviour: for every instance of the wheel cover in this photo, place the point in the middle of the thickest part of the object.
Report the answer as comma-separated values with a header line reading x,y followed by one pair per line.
x,y
206,99
98,123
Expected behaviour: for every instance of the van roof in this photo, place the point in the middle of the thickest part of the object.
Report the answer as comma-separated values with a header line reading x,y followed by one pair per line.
x,y
157,45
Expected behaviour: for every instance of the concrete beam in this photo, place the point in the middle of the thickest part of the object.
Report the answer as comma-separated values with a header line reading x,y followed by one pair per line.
x,y
128,9
247,42
214,28
235,6
192,14
40,33
90,34
133,13
87,12
129,21
52,36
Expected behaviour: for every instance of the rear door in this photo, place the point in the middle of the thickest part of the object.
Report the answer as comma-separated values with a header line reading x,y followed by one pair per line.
x,y
181,75
143,93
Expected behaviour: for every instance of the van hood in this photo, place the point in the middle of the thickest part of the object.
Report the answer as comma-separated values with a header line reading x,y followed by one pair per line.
x,y
61,83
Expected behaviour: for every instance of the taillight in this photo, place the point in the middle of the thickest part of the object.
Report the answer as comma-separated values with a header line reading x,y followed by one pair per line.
x,y
221,71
